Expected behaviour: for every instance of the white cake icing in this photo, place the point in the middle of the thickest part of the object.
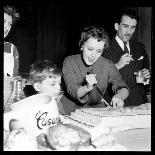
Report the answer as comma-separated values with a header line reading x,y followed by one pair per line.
x,y
105,120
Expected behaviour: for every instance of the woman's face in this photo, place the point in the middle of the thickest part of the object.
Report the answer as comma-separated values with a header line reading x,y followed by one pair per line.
x,y
92,50
7,24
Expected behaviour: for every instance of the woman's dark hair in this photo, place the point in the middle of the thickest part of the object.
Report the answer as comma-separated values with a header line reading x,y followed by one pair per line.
x,y
11,11
93,32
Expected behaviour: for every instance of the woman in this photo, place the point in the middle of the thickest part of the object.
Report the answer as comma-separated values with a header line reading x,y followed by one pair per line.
x,y
87,75
11,56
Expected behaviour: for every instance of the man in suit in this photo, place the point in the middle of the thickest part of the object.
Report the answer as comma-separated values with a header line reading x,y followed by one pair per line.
x,y
129,56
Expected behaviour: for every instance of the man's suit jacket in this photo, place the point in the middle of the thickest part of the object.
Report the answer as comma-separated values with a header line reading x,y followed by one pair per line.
x,y
137,94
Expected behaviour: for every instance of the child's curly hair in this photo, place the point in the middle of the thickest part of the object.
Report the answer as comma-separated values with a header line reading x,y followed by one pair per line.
x,y
42,69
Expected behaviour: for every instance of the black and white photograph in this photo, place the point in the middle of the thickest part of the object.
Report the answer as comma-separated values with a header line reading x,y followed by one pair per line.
x,y
77,76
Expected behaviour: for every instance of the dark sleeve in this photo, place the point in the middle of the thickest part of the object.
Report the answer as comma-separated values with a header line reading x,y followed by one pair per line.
x,y
115,78
107,53
146,62
70,77
16,61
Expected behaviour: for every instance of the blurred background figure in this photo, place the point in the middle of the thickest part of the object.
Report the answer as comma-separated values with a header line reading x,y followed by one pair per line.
x,y
11,56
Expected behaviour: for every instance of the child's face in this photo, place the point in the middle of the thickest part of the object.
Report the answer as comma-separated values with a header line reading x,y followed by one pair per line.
x,y
51,85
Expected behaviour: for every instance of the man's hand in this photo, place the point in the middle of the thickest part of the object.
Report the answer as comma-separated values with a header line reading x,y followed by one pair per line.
x,y
124,60
146,73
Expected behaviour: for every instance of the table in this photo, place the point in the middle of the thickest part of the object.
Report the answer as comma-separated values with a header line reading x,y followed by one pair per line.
x,y
135,139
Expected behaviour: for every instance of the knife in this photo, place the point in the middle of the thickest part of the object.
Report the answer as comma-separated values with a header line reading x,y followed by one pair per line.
x,y
95,85
102,99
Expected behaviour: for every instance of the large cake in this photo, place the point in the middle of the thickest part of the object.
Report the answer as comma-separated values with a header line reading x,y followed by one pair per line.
x,y
105,120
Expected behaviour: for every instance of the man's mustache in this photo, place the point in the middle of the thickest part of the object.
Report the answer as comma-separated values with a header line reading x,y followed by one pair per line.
x,y
128,35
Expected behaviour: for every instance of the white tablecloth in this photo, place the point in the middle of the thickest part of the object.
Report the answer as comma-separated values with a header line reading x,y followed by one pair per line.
x,y
135,139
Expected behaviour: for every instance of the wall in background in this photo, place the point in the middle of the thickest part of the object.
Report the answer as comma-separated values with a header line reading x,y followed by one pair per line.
x,y
53,32
144,30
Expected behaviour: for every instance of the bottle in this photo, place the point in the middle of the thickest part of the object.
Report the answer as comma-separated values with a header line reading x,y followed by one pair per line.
x,y
18,90
17,94
139,77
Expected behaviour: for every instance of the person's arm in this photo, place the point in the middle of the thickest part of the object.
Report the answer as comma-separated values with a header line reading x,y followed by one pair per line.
x,y
119,86
118,99
70,76
84,90
119,63
146,62
82,94
122,93
16,61
116,79
124,60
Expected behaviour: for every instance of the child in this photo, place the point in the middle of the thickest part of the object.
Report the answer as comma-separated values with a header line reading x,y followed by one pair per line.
x,y
45,77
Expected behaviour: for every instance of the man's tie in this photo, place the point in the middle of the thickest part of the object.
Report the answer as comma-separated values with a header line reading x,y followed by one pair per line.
x,y
125,48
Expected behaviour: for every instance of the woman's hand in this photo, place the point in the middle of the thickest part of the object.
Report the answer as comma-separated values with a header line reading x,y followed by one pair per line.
x,y
91,80
84,90
118,99
117,102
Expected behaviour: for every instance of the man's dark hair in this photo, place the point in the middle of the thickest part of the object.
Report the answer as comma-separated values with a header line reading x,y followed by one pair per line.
x,y
131,12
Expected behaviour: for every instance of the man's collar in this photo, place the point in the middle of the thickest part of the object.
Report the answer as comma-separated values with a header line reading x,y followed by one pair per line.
x,y
120,41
